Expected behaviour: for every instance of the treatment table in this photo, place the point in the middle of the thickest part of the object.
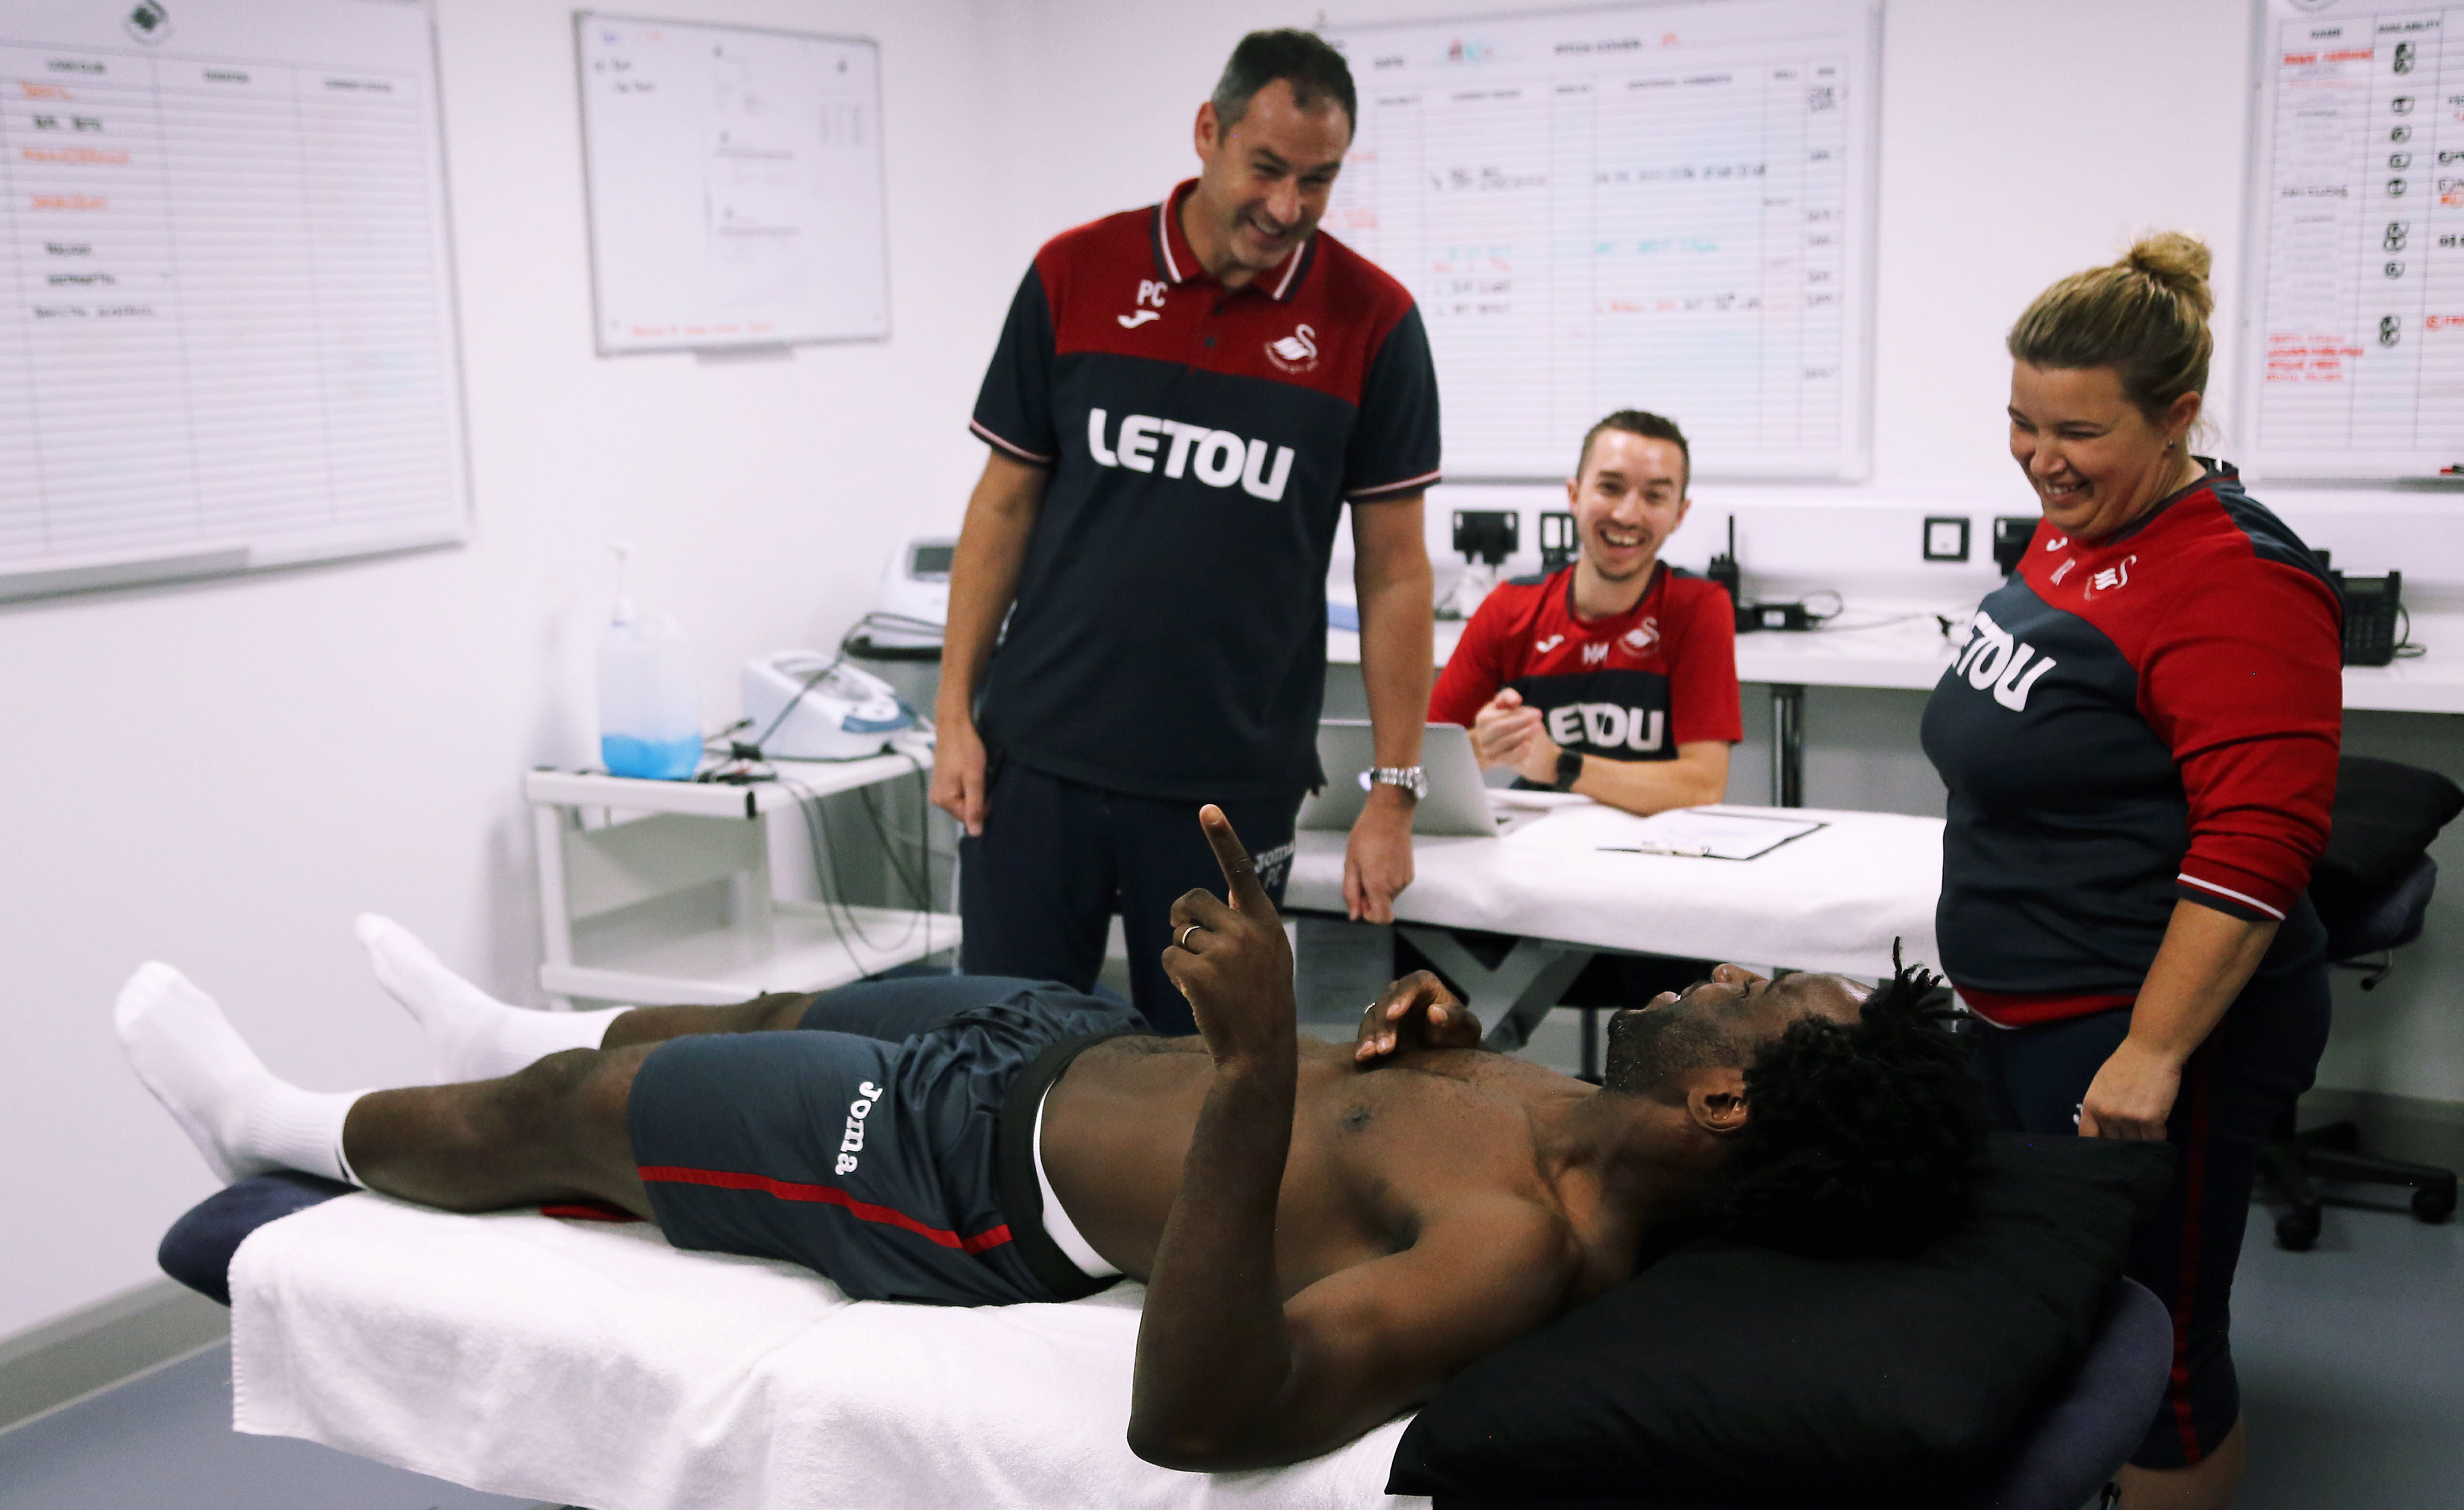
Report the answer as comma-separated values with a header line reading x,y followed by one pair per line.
x,y
587,1362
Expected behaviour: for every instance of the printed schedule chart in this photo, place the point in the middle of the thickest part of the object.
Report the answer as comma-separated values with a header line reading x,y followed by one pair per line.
x,y
1649,206
2356,364
737,186
227,339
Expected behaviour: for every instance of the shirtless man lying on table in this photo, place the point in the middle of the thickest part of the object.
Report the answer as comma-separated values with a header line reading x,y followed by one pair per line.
x,y
1325,1233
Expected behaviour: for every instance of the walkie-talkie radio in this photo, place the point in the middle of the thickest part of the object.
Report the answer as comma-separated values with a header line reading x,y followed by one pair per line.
x,y
1752,618
1724,571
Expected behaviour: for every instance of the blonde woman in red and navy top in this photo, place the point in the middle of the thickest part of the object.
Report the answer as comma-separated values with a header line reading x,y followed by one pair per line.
x,y
2139,740
1615,677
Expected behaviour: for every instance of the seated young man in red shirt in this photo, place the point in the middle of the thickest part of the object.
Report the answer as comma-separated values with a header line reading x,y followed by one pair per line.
x,y
1615,677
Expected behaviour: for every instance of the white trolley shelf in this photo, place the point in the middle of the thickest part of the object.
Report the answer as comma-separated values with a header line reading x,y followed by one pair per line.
x,y
658,892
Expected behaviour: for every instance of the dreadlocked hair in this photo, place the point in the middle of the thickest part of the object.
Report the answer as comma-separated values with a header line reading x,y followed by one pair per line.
x,y
1861,1141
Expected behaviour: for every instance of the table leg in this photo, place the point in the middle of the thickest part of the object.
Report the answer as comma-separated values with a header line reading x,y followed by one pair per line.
x,y
1787,744
1516,994
548,827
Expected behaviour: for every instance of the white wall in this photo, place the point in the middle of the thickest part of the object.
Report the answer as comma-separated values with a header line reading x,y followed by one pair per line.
x,y
220,776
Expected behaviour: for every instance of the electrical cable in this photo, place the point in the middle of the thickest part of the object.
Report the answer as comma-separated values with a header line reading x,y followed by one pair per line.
x,y
1829,622
913,886
789,705
744,762
898,623
830,879
2405,649
747,766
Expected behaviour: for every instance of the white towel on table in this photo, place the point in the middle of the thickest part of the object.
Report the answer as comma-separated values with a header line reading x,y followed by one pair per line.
x,y
593,1365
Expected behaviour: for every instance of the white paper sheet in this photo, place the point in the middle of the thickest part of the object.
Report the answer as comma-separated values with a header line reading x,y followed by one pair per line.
x,y
1703,833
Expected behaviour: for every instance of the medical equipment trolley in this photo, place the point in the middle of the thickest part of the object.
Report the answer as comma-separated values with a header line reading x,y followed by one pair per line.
x,y
660,892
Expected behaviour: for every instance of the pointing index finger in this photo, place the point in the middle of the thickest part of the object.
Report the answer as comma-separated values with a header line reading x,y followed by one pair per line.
x,y
1240,871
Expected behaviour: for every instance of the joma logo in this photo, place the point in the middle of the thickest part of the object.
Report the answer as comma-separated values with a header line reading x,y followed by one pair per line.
x,y
858,1109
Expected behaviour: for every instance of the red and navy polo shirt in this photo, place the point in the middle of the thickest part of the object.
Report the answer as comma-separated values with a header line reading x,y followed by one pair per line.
x,y
1169,638
2132,721
1631,687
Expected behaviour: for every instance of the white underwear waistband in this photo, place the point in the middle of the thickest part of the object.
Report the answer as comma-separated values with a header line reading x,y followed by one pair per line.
x,y
1057,1224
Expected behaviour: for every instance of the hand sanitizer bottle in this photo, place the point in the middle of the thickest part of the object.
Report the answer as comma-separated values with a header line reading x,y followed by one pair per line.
x,y
650,718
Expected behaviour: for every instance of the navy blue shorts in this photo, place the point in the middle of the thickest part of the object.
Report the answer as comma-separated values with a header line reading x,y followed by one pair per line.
x,y
1057,860
873,1146
2235,1088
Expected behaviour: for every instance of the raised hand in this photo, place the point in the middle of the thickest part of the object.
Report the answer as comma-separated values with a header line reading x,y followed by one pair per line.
x,y
1501,731
1231,960
1508,734
1416,1012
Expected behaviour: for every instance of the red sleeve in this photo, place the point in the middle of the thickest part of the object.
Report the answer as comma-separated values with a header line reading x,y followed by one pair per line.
x,y
2245,683
1703,668
1475,671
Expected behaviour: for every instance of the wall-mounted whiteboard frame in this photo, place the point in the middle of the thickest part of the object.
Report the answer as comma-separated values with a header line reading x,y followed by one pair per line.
x,y
2351,366
1697,65
737,196
235,342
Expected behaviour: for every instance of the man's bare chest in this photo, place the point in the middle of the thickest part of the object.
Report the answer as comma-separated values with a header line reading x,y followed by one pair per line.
x,y
1395,1147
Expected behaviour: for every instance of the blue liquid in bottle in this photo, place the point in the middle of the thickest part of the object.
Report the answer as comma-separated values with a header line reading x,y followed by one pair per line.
x,y
651,760
648,725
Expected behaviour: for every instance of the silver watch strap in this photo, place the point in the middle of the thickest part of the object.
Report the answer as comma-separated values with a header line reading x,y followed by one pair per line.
x,y
1412,778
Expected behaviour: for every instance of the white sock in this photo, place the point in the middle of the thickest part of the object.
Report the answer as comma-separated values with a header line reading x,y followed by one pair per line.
x,y
474,1036
241,1118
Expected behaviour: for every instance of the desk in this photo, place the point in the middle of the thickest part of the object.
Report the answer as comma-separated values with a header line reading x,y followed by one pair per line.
x,y
1903,646
2430,682
672,904
1833,900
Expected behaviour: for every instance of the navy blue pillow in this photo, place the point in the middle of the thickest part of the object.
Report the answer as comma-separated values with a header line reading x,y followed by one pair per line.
x,y
197,1251
1736,1374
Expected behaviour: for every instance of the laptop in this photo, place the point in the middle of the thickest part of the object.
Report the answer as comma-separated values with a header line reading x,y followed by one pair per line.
x,y
1457,804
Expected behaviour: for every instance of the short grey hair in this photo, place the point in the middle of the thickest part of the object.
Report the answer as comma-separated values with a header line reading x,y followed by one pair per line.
x,y
1303,59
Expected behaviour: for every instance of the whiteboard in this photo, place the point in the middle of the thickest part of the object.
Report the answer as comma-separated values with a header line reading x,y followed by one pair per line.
x,y
736,185
2354,365
229,341
1660,206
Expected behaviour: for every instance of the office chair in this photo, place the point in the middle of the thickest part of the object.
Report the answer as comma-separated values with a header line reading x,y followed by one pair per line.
x,y
2371,888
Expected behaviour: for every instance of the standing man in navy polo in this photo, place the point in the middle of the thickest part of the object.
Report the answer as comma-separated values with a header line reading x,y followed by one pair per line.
x,y
1182,402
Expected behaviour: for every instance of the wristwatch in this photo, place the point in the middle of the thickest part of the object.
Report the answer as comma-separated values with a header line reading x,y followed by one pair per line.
x,y
1570,767
1412,778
